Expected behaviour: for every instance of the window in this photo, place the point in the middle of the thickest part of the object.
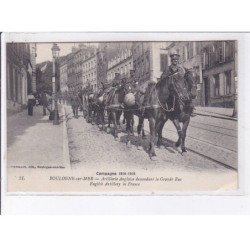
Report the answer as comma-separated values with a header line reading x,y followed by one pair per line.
x,y
183,54
216,85
211,56
229,50
221,52
190,50
228,80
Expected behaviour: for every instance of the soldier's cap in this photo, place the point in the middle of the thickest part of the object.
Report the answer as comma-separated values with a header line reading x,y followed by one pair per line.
x,y
174,55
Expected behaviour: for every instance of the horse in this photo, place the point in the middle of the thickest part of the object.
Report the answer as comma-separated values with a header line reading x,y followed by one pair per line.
x,y
113,104
159,95
181,112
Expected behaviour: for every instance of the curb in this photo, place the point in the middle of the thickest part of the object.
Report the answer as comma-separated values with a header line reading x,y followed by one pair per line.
x,y
217,116
65,140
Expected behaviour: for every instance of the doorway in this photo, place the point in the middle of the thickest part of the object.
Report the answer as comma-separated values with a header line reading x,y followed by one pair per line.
x,y
206,91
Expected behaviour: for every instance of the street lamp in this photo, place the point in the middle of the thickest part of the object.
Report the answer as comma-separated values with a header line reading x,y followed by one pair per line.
x,y
55,54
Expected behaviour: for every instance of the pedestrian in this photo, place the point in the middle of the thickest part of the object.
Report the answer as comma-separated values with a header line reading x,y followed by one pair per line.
x,y
45,102
31,104
75,103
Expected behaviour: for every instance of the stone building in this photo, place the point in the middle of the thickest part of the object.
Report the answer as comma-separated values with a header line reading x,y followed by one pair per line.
x,y
122,63
64,75
106,52
214,65
89,71
18,74
149,60
33,65
219,73
71,72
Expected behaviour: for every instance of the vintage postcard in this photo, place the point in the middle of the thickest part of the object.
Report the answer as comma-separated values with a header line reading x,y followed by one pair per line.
x,y
120,114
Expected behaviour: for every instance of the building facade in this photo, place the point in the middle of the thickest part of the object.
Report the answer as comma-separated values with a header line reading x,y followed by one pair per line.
x,y
149,60
18,75
122,63
219,73
214,65
64,76
33,65
106,53
89,71
78,59
71,72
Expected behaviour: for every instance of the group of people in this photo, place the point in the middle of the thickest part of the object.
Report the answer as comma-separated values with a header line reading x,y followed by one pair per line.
x,y
76,98
43,99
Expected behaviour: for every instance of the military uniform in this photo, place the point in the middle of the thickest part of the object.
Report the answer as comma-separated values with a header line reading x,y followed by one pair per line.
x,y
172,70
116,81
132,81
178,73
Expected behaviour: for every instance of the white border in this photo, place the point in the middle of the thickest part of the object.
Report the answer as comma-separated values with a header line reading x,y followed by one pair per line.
x,y
243,58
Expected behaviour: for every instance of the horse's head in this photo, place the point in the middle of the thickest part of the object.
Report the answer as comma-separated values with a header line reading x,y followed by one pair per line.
x,y
191,82
179,89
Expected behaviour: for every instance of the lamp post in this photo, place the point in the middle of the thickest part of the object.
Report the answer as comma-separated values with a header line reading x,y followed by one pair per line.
x,y
55,54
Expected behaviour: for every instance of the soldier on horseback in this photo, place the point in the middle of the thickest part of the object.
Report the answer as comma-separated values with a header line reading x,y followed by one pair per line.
x,y
132,80
178,72
117,80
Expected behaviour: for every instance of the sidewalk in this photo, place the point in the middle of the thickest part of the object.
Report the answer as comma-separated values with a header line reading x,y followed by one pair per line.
x,y
34,140
224,113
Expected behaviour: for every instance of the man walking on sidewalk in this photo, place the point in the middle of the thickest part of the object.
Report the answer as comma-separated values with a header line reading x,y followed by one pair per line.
x,y
45,103
31,104
75,103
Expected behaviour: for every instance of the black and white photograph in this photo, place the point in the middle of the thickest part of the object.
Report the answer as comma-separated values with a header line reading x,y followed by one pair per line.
x,y
122,116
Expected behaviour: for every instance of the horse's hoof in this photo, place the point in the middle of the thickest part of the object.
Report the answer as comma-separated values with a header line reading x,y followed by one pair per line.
x,y
139,147
108,130
177,144
144,137
152,156
184,150
128,144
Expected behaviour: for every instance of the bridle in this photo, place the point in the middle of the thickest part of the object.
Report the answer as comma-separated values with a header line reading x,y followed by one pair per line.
x,y
167,109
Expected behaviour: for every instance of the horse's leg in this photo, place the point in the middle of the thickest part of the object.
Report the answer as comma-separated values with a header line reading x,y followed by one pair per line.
x,y
179,130
118,116
124,120
109,121
139,130
159,128
113,115
132,124
184,132
103,119
152,137
128,116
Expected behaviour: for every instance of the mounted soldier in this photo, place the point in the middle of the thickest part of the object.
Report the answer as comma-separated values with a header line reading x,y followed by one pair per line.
x,y
132,80
176,73
117,80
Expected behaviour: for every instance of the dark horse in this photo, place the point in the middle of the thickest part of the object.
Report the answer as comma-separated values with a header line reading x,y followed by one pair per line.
x,y
160,96
110,100
181,110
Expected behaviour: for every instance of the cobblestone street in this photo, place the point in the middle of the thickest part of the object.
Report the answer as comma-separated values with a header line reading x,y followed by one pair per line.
x,y
91,149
